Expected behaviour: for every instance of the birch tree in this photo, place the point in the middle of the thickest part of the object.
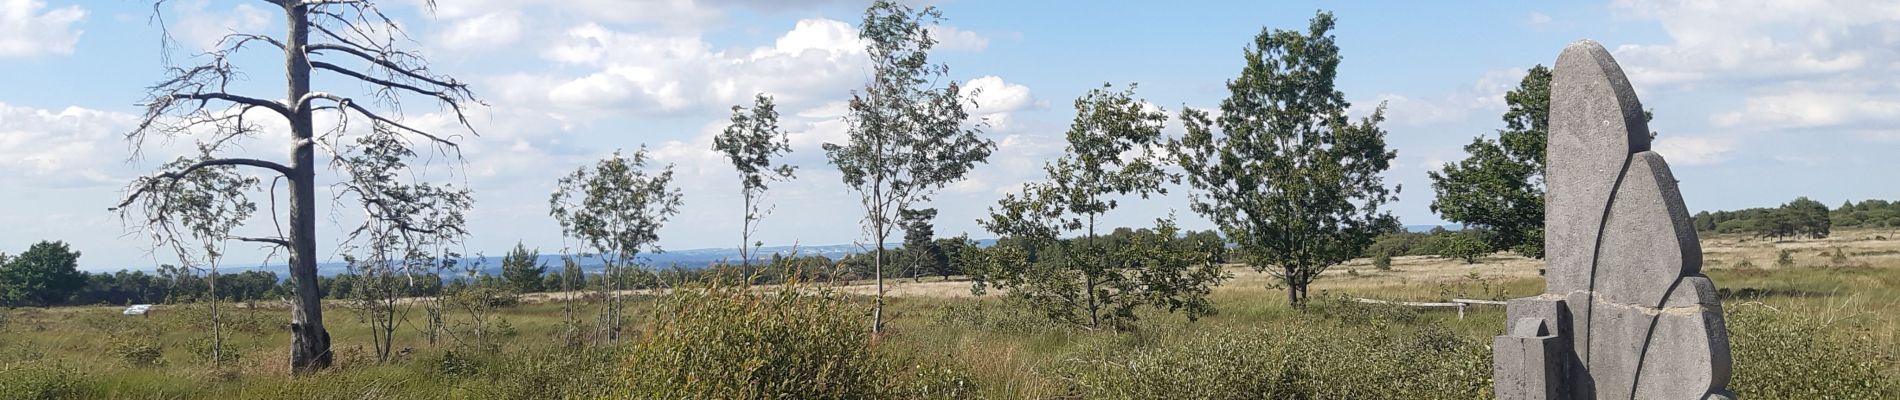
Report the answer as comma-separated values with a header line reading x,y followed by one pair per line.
x,y
615,210
752,142
909,137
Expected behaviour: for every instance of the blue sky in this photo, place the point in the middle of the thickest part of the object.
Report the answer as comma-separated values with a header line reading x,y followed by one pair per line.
x,y
1757,101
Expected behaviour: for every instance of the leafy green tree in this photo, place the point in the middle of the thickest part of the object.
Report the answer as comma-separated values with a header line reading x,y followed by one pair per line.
x,y
909,138
949,260
522,268
752,141
1500,187
1113,150
615,210
45,274
919,250
1464,246
1289,178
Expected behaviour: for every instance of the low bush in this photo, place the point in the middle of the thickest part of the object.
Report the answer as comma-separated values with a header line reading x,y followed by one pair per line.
x,y
737,343
39,380
1290,361
1790,355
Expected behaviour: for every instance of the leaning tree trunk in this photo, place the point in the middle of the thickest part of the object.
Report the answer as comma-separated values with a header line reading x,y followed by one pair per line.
x,y
309,341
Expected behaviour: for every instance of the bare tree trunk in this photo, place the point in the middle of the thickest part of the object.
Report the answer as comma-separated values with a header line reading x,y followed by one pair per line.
x,y
877,268
217,326
309,341
1292,291
1089,275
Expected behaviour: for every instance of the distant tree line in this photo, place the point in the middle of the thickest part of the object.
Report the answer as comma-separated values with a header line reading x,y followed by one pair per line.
x,y
1800,218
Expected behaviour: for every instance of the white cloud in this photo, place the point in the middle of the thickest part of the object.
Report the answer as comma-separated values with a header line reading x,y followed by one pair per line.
x,y
1811,110
1485,95
657,73
200,27
1537,19
1760,39
27,29
492,30
1693,150
992,95
952,39
65,148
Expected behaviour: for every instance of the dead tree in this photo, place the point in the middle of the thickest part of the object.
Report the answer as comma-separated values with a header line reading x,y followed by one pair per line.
x,y
351,40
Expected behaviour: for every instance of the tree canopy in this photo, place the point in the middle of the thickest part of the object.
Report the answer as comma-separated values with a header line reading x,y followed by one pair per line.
x,y
1290,179
1500,187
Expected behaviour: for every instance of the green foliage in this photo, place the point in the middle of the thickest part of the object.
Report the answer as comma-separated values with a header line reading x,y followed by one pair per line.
x,y
521,268
1793,355
1795,219
1784,258
908,137
1343,361
1290,179
137,350
616,210
1382,261
920,252
1501,185
1873,213
39,380
1464,246
617,207
751,142
45,274
797,342
1089,280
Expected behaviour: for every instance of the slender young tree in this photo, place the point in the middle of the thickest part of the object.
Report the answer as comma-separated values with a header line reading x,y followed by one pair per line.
x,y
909,138
1114,149
615,209
355,45
1283,171
752,142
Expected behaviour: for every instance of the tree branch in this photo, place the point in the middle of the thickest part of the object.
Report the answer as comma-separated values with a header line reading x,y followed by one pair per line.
x,y
385,63
175,175
249,101
275,241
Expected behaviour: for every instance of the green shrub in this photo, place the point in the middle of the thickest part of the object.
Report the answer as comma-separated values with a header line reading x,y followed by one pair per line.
x,y
1793,355
736,343
201,346
137,351
1784,258
1383,261
1288,361
1465,247
38,380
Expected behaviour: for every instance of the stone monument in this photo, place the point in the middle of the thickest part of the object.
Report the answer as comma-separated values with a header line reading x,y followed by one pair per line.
x,y
1626,312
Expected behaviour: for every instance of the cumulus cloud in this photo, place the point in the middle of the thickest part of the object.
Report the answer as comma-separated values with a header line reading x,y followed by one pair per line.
x,y
28,29
1808,109
659,73
1485,95
69,147
1752,40
1693,150
200,27
952,39
490,30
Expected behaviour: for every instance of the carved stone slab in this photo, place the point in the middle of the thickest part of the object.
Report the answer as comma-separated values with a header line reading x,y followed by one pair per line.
x,y
1626,313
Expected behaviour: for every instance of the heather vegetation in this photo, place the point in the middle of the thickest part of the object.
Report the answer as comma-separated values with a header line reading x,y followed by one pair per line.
x,y
1057,304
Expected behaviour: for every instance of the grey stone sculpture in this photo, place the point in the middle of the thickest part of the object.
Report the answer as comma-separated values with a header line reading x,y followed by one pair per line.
x,y
1626,312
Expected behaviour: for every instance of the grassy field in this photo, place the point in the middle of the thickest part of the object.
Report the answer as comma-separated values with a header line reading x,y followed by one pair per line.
x,y
1824,324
